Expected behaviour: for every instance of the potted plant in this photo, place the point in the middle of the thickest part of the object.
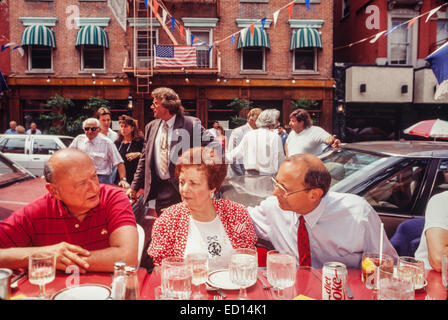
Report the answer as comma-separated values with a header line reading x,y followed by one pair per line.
x,y
241,107
305,103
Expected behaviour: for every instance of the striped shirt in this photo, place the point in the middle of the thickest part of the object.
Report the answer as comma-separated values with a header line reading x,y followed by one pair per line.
x,y
101,150
47,222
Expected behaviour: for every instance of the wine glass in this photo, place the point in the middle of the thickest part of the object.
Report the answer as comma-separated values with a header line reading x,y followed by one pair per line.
x,y
199,269
41,270
445,270
281,270
243,269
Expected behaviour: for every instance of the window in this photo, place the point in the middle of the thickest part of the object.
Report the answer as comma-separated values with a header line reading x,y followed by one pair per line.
x,y
442,32
92,57
40,58
441,182
399,43
397,192
45,146
144,48
252,58
16,145
345,8
202,40
305,59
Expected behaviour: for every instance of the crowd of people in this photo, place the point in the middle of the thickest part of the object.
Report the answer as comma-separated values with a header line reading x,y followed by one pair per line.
x,y
180,165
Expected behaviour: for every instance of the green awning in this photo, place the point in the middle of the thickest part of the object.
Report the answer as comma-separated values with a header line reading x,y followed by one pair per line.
x,y
38,35
259,39
92,35
305,38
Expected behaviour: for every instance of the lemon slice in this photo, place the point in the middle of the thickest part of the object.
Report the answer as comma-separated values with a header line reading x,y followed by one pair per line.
x,y
368,265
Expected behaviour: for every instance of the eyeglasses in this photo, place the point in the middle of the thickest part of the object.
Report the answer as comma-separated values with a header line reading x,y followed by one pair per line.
x,y
91,128
284,192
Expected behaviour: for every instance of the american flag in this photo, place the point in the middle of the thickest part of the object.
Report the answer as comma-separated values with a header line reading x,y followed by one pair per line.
x,y
175,56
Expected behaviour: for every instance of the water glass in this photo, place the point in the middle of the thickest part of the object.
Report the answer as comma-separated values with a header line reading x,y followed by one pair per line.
x,y
41,270
281,269
370,262
391,287
415,268
243,270
176,278
199,269
445,270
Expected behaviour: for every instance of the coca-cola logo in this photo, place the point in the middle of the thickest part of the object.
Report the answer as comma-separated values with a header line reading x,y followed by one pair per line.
x,y
334,288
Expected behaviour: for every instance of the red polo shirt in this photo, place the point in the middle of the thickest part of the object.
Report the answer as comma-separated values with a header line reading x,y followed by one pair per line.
x,y
47,222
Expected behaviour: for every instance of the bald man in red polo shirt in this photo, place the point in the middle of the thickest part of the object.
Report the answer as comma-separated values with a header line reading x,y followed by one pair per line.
x,y
82,222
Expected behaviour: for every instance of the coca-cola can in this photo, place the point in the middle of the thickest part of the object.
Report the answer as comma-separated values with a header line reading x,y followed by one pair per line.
x,y
334,281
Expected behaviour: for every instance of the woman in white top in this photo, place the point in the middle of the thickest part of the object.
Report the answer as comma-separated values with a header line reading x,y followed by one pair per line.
x,y
261,149
306,138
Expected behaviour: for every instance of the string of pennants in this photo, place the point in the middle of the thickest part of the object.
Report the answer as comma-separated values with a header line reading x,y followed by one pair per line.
x,y
374,38
290,7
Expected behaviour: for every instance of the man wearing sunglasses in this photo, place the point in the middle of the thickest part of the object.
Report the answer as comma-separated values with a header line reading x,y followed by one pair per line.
x,y
102,151
305,219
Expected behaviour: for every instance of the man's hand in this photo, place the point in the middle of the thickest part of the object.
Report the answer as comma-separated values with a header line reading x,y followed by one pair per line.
x,y
132,155
124,184
68,254
132,194
336,143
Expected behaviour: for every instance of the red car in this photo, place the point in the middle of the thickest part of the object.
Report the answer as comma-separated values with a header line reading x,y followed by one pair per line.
x,y
18,187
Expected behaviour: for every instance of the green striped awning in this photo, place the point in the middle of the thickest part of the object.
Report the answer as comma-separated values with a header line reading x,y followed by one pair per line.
x,y
305,38
259,39
38,35
92,35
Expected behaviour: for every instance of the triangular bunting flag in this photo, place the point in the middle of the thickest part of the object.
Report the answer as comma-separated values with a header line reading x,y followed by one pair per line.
x,y
192,39
412,22
377,36
391,30
252,26
181,31
20,49
307,4
173,23
155,5
163,16
290,7
210,49
431,13
243,35
146,4
275,15
263,21
233,39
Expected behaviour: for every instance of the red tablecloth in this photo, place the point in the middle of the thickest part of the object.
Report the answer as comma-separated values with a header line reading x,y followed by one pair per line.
x,y
308,283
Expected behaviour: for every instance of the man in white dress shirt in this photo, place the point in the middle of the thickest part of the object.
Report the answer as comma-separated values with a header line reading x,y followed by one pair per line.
x,y
261,149
434,239
102,151
340,226
306,138
236,167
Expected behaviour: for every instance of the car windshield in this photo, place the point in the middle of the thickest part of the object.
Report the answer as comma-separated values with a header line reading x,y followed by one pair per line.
x,y
344,162
11,173
67,141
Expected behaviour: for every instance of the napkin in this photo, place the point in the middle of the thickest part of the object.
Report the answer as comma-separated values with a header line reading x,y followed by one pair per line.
x,y
302,297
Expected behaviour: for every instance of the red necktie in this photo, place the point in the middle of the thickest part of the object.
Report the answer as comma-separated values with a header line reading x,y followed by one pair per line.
x,y
303,244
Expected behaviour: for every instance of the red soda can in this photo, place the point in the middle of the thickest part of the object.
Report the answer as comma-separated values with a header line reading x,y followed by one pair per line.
x,y
334,281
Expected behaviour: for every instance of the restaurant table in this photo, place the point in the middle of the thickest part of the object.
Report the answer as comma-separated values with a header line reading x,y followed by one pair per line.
x,y
308,284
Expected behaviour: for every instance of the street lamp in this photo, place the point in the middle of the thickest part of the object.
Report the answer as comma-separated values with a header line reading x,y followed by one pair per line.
x,y
130,102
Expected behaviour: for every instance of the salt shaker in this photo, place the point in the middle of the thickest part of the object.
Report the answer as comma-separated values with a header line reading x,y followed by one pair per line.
x,y
119,281
132,292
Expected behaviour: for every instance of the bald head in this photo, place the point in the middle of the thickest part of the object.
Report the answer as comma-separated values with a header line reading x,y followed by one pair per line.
x,y
314,172
64,160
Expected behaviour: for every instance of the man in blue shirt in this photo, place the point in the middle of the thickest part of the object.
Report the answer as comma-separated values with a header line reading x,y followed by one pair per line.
x,y
12,127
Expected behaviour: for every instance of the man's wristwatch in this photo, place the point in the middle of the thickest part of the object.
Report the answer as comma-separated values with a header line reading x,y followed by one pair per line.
x,y
123,179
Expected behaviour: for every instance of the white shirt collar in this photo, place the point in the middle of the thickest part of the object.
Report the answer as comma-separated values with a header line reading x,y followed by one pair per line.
x,y
170,122
312,217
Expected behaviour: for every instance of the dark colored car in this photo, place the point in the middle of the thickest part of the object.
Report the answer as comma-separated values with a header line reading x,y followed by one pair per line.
x,y
18,187
396,177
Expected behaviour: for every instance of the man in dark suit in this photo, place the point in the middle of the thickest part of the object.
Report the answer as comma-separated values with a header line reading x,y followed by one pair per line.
x,y
166,138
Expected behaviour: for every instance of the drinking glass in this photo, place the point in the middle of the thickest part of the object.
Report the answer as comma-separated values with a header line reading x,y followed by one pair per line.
x,y
445,270
414,267
199,269
41,270
391,287
370,262
243,269
281,270
176,278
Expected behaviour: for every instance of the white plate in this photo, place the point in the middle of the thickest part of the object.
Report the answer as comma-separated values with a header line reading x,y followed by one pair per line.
x,y
221,279
83,292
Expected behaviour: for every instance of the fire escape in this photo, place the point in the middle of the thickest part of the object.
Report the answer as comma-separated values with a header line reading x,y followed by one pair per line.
x,y
145,32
